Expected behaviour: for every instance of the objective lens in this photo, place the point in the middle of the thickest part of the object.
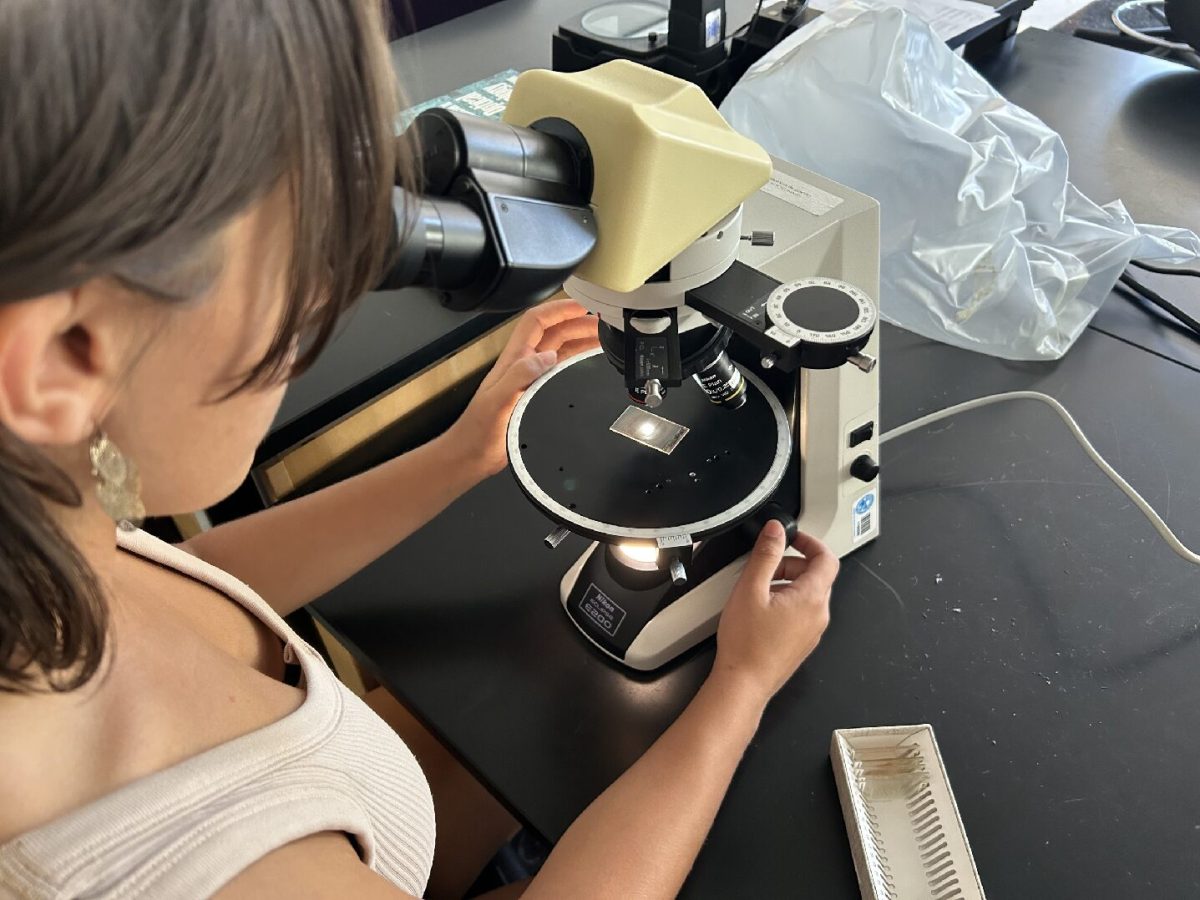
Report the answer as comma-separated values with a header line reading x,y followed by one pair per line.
x,y
723,382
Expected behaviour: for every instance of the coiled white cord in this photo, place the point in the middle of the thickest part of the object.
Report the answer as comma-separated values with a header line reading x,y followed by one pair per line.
x,y
1140,502
1155,41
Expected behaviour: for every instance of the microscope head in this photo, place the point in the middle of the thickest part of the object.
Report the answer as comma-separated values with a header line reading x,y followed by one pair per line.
x,y
669,179
621,182
667,167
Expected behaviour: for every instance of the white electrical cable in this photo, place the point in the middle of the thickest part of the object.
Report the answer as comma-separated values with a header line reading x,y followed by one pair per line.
x,y
1147,510
1137,35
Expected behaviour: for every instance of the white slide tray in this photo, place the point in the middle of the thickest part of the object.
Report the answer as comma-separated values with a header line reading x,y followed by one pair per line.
x,y
905,832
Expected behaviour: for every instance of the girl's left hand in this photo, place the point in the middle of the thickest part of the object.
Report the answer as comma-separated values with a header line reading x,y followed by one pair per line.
x,y
544,336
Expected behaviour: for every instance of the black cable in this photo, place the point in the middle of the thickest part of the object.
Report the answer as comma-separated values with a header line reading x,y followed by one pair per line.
x,y
748,26
735,59
1160,301
1164,270
1151,310
735,67
748,29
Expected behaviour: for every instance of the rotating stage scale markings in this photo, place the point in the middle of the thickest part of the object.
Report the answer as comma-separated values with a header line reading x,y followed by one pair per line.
x,y
579,452
823,311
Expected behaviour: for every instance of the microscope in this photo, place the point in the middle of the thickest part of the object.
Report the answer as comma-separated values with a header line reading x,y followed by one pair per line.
x,y
736,380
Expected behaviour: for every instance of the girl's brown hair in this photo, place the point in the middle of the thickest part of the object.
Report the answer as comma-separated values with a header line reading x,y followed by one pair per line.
x,y
131,131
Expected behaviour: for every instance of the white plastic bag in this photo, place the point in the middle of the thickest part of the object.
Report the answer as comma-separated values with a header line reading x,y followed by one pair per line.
x,y
985,243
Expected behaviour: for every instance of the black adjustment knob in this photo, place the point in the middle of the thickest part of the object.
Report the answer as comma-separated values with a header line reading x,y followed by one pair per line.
x,y
777,512
864,468
752,526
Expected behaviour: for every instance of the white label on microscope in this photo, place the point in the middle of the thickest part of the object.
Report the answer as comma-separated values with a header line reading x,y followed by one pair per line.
x,y
600,608
673,540
712,28
808,197
865,516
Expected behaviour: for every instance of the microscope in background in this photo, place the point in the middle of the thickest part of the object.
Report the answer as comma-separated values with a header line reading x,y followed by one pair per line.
x,y
690,39
737,377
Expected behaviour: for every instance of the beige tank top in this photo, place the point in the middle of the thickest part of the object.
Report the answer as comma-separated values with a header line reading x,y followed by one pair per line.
x,y
332,765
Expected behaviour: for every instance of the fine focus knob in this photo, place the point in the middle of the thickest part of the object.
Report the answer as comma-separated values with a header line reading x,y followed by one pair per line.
x,y
865,468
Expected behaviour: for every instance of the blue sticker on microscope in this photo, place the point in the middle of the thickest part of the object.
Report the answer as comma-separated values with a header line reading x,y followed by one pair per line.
x,y
864,521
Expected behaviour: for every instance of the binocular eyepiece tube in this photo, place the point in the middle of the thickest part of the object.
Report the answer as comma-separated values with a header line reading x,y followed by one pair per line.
x,y
504,216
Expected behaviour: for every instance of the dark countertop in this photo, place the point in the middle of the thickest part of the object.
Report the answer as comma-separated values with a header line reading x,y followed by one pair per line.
x,y
1016,601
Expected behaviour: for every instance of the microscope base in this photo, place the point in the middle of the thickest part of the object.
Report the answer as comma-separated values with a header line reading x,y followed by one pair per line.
x,y
643,621
645,627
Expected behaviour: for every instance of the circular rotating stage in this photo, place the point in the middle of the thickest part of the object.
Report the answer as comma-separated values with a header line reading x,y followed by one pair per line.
x,y
586,455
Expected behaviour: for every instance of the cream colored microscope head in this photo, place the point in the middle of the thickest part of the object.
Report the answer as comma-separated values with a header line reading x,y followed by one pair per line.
x,y
668,171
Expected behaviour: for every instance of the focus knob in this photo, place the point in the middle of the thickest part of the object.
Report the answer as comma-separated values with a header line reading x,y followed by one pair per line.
x,y
865,468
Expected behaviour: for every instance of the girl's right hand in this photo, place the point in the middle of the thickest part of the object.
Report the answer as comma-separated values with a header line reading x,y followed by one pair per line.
x,y
767,630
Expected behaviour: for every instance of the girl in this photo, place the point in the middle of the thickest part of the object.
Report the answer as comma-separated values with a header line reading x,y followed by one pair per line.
x,y
191,193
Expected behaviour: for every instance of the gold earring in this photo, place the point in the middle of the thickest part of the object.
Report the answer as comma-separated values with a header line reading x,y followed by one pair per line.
x,y
118,486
